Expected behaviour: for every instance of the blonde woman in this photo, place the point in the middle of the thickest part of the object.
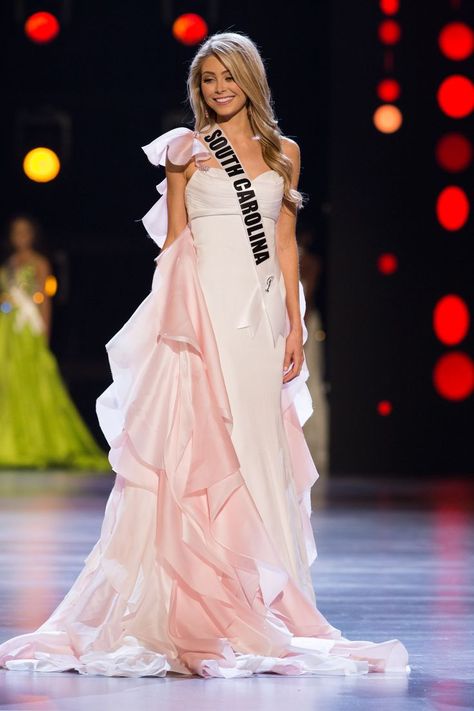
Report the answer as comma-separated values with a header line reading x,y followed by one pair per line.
x,y
203,564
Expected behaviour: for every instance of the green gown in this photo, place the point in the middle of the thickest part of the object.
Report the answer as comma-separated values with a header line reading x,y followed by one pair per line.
x,y
40,426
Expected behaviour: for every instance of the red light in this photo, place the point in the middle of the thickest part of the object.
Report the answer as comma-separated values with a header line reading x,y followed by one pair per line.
x,y
388,90
451,319
384,407
389,32
42,27
387,263
389,7
454,152
456,96
453,376
452,208
189,29
456,40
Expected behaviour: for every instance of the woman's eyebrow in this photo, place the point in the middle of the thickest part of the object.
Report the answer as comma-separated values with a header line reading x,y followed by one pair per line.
x,y
213,73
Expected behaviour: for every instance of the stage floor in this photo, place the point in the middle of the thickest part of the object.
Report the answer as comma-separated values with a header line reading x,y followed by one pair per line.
x,y
395,559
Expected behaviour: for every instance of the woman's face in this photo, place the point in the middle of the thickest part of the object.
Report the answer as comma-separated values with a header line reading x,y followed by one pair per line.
x,y
219,89
22,235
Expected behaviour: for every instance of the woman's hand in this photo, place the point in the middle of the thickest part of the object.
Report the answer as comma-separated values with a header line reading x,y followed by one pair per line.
x,y
293,354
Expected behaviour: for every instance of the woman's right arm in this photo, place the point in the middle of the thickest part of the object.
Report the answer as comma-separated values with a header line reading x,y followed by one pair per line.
x,y
177,215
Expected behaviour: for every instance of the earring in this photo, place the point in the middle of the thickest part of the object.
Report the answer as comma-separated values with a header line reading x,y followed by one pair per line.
x,y
206,114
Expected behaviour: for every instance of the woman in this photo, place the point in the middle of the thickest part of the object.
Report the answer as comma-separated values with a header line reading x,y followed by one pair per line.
x,y
203,561
39,424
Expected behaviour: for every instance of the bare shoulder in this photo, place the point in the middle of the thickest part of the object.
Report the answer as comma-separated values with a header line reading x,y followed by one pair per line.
x,y
290,148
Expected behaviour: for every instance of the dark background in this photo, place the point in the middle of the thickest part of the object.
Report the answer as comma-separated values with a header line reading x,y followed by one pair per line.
x,y
117,74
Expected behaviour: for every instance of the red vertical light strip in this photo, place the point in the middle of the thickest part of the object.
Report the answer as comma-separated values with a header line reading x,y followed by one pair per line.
x,y
388,92
453,370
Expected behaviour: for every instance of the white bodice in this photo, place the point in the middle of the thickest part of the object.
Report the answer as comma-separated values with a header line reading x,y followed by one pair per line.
x,y
210,192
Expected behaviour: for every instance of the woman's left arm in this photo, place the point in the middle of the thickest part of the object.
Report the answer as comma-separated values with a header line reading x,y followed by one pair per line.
x,y
288,257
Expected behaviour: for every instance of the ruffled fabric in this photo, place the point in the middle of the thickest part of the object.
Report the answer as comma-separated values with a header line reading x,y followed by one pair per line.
x,y
181,146
184,576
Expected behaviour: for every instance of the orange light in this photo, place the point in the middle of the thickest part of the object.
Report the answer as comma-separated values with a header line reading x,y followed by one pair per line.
x,y
389,32
456,41
389,7
454,152
50,285
41,27
190,28
456,96
387,263
388,90
451,319
387,118
38,297
384,407
453,376
452,208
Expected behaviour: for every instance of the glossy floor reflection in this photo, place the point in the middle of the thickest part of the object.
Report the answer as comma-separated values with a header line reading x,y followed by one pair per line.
x,y
394,560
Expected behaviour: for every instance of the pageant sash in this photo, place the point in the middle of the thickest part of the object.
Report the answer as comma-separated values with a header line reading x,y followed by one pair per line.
x,y
264,260
223,152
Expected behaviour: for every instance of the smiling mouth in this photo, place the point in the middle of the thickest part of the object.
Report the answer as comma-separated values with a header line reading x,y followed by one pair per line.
x,y
224,100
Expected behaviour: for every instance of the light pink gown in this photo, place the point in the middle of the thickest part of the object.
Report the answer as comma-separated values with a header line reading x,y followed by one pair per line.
x,y
203,561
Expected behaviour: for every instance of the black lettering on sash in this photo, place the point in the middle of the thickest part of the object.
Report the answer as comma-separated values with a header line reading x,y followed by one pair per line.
x,y
253,219
214,135
234,170
221,147
255,228
246,195
258,246
242,183
224,152
218,143
261,257
257,236
250,207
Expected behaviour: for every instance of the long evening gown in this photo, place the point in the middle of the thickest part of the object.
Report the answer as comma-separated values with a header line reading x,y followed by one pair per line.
x,y
203,561
40,425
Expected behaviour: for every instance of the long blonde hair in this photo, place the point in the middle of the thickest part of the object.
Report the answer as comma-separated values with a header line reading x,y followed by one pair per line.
x,y
241,57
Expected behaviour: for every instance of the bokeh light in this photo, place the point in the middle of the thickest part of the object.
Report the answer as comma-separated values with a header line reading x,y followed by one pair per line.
x,y
387,118
388,90
190,28
389,32
456,96
38,297
387,263
42,27
41,165
451,319
456,41
384,407
452,208
50,285
389,7
454,152
453,375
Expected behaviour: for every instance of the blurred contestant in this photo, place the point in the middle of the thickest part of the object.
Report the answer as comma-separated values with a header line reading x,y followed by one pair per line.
x,y
39,424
